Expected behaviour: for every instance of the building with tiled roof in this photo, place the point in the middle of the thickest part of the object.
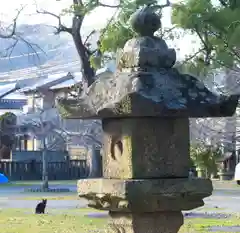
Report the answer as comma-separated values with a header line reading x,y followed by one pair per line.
x,y
25,96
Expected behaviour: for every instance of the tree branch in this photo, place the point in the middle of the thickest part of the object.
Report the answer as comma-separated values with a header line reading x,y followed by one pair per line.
x,y
73,95
9,50
167,4
14,26
16,38
106,5
193,56
223,3
90,34
221,37
92,138
78,2
61,27
208,48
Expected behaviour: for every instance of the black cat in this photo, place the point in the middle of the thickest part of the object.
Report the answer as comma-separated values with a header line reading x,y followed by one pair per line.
x,y
40,208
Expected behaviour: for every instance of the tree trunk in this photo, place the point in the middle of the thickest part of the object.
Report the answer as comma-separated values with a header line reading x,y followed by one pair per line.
x,y
44,167
87,70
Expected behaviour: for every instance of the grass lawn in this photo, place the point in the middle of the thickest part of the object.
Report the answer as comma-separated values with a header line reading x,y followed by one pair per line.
x,y
74,221
24,221
202,225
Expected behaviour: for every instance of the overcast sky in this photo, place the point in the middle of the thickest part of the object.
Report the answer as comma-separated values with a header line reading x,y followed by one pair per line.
x,y
8,11
96,19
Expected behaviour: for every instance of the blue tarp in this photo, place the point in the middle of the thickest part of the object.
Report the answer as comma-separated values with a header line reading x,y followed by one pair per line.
x,y
3,179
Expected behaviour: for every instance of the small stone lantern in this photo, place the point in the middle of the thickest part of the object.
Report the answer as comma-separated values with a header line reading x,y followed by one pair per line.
x,y
145,109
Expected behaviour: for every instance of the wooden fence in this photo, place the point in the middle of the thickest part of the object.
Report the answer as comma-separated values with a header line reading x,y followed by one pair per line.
x,y
67,170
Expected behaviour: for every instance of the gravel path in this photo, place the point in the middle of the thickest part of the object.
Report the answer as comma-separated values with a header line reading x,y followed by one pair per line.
x,y
9,198
222,200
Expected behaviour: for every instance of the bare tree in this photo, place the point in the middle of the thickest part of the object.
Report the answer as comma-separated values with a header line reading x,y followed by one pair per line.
x,y
88,133
48,131
91,133
224,131
46,126
9,32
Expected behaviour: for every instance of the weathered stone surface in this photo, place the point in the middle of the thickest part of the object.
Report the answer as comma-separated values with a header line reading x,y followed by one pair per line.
x,y
145,22
146,148
147,50
158,222
145,195
141,94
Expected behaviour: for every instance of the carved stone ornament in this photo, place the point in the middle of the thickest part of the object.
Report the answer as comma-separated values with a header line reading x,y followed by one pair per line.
x,y
140,195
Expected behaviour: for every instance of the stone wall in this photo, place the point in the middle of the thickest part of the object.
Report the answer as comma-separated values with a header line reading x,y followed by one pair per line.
x,y
53,156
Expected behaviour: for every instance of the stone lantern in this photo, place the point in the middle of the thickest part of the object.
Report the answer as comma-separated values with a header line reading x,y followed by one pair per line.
x,y
145,109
